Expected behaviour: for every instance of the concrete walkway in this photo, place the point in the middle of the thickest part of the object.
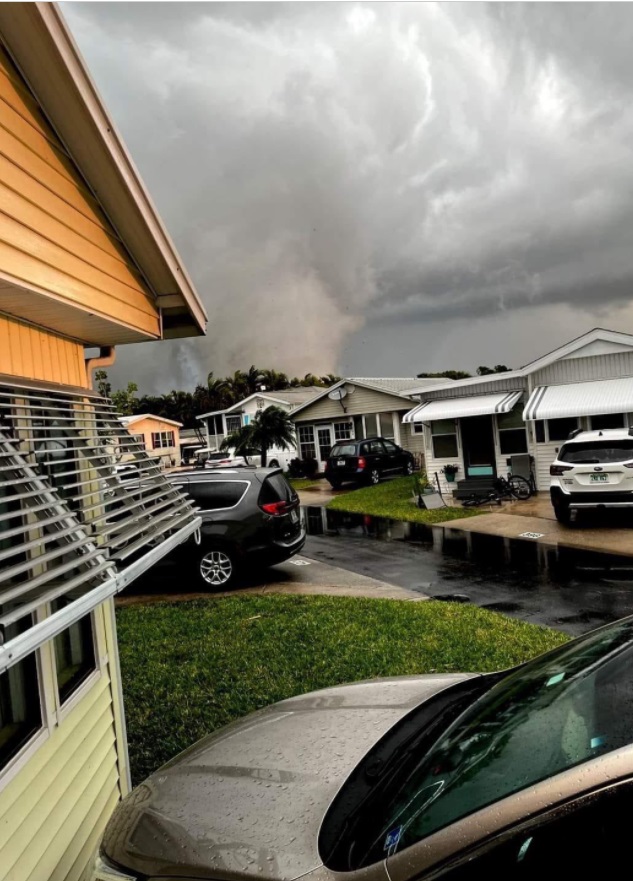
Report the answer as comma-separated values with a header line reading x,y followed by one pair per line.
x,y
536,517
299,576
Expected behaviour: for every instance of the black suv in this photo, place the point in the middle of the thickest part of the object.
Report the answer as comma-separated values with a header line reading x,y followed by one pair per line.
x,y
365,461
250,516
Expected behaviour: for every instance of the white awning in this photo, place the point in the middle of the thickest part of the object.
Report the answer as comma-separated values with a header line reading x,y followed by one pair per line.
x,y
459,408
580,399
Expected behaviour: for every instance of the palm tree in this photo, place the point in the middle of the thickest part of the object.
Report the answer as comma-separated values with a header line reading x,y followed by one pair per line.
x,y
273,380
271,427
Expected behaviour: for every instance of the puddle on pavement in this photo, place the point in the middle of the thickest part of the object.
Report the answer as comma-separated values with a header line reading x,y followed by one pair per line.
x,y
570,588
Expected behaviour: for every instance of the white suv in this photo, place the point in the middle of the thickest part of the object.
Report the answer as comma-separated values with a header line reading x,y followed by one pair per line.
x,y
593,469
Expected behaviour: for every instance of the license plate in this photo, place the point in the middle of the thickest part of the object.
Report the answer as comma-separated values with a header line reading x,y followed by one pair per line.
x,y
340,461
294,517
598,478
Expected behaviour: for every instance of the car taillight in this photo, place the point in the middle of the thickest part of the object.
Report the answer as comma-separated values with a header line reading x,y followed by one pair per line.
x,y
557,470
628,464
362,463
325,467
275,508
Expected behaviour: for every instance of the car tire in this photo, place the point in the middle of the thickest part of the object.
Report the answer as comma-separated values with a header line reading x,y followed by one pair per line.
x,y
562,513
408,469
335,484
273,464
374,477
216,566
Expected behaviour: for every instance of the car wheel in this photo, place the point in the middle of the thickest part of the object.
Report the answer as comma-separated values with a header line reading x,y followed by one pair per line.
x,y
408,468
562,513
217,567
273,464
520,487
335,484
374,476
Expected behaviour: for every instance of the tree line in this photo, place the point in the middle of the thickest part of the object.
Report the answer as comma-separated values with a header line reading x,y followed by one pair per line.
x,y
218,393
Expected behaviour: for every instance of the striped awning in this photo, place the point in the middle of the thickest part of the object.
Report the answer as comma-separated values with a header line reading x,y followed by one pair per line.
x,y
460,408
83,510
580,399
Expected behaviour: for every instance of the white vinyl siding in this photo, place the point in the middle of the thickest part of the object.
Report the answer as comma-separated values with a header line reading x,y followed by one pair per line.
x,y
612,366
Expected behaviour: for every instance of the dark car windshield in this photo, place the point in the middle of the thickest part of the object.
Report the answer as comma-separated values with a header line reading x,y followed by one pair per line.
x,y
603,451
343,450
554,713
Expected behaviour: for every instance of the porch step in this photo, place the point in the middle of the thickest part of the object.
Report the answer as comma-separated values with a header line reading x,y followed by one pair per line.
x,y
474,486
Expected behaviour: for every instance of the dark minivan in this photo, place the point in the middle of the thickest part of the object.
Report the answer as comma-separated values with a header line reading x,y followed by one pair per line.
x,y
250,517
366,461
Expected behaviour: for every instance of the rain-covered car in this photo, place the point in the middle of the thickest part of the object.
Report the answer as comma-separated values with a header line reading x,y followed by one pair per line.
x,y
250,520
366,461
525,774
593,470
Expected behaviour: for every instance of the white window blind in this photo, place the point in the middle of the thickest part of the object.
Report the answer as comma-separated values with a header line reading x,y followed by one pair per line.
x,y
70,528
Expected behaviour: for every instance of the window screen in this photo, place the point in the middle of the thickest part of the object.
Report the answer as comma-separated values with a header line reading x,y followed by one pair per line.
x,y
74,654
560,429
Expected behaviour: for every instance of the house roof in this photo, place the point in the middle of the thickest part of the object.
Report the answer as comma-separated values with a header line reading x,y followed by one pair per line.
x,y
41,46
396,384
585,340
283,396
378,384
132,420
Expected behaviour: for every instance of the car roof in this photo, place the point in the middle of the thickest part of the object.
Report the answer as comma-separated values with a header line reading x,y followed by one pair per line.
x,y
600,434
222,473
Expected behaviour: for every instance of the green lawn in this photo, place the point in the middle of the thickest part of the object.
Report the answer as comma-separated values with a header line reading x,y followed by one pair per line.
x,y
189,668
392,499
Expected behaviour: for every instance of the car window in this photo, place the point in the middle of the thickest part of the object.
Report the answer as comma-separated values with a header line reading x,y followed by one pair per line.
x,y
594,452
276,489
364,449
391,448
575,703
342,450
376,447
211,495
578,843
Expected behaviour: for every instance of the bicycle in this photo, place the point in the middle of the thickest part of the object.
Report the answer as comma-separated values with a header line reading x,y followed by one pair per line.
x,y
512,488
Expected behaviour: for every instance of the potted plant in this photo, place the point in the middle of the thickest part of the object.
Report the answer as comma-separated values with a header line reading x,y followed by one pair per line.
x,y
449,472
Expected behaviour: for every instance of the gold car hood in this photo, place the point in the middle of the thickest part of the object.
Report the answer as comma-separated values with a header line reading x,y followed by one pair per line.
x,y
248,801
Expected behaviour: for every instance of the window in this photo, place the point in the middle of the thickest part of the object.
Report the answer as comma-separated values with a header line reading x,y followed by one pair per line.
x,y
512,434
342,431
574,842
376,448
386,425
539,431
560,429
594,452
214,495
233,423
139,439
359,429
307,448
417,428
276,489
444,433
324,437
20,709
607,420
162,439
390,447
371,425
74,654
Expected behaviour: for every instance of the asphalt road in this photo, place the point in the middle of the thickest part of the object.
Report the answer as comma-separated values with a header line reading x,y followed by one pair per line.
x,y
568,590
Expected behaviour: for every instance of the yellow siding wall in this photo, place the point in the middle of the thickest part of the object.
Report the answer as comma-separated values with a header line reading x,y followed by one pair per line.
x,y
53,234
37,354
53,812
148,426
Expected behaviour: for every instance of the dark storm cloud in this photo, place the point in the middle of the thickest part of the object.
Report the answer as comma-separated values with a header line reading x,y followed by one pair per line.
x,y
330,168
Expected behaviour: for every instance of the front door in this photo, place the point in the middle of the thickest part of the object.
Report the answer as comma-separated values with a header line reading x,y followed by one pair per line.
x,y
479,446
324,441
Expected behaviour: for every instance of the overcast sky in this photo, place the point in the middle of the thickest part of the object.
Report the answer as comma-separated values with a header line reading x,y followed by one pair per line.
x,y
378,189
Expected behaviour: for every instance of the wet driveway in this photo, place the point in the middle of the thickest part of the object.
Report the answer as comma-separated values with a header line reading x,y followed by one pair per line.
x,y
565,588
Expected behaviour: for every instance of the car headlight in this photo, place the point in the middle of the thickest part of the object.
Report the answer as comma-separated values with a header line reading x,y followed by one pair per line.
x,y
103,871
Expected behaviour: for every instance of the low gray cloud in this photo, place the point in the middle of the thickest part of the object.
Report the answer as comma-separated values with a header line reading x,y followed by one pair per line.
x,y
344,179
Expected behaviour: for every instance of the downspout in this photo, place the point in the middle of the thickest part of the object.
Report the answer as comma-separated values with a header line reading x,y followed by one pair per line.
x,y
107,357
